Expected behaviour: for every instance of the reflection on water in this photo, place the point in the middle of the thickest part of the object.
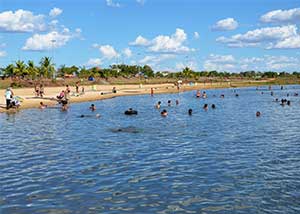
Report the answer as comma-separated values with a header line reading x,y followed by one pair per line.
x,y
224,160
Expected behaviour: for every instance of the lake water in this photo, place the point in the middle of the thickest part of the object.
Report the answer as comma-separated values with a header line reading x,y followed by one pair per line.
x,y
225,160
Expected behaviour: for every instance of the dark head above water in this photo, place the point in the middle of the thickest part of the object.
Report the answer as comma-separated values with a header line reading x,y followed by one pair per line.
x,y
129,129
130,111
164,113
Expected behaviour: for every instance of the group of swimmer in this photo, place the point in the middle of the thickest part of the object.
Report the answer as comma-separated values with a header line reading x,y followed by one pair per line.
x,y
164,112
63,98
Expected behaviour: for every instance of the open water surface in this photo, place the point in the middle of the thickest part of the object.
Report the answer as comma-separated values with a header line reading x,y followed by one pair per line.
x,y
217,161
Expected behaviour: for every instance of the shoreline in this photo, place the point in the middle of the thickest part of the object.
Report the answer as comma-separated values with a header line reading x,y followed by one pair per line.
x,y
93,93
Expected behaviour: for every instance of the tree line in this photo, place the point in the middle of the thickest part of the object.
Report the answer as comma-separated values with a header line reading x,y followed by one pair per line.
x,y
46,69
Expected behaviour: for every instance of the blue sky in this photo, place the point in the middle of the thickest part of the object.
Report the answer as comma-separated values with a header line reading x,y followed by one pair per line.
x,y
223,35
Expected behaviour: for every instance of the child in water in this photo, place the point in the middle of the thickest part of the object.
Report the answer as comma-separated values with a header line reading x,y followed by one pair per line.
x,y
42,105
92,107
164,113
158,105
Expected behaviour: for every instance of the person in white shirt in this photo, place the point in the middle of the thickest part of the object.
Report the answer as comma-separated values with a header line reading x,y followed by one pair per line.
x,y
8,96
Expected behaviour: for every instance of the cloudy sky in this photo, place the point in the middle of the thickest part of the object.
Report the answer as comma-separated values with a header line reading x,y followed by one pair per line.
x,y
223,35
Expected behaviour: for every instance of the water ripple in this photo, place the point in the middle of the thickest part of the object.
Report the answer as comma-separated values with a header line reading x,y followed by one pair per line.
x,y
220,161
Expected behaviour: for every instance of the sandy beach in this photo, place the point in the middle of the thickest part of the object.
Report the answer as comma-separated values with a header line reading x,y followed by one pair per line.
x,y
99,92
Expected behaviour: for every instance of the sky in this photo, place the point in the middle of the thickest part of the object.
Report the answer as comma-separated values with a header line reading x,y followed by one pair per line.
x,y
168,35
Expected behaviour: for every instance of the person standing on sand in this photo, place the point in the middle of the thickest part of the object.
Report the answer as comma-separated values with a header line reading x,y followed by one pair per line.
x,y
8,96
68,90
152,92
41,90
77,87
36,90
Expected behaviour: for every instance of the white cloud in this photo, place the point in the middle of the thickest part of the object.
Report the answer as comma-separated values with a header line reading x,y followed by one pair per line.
x,y
170,44
265,63
173,44
53,23
288,43
2,53
51,40
140,41
127,52
225,25
270,63
196,35
111,3
55,12
107,51
21,21
281,16
267,37
154,60
94,62
219,63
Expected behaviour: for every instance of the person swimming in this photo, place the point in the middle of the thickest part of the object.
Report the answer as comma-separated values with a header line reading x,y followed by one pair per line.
x,y
177,102
85,115
130,111
283,102
198,94
169,102
93,107
42,105
129,129
205,107
213,106
204,95
164,113
258,114
190,111
158,105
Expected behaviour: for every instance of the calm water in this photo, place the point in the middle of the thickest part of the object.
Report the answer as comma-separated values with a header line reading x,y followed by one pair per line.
x,y
217,161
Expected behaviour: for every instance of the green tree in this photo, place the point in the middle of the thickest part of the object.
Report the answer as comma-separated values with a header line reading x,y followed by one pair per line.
x,y
33,71
9,70
187,72
47,68
147,70
20,69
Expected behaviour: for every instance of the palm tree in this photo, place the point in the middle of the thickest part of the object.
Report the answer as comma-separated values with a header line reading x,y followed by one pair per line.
x,y
187,72
32,69
47,68
62,70
20,69
9,70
